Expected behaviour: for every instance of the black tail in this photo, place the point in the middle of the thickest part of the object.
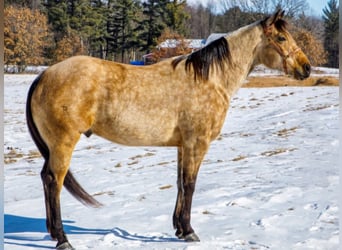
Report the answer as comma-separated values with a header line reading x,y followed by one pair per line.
x,y
78,192
69,182
38,140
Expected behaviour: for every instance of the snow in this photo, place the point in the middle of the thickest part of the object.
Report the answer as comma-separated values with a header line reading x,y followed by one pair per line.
x,y
262,71
270,181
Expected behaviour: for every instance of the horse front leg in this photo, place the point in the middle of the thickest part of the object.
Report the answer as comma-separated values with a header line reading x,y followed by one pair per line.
x,y
191,161
180,195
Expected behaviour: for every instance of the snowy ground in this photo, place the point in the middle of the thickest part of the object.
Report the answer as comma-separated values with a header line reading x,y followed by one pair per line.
x,y
261,71
270,181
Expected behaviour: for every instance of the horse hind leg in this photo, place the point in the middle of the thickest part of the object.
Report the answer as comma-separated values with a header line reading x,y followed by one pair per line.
x,y
53,212
46,179
53,176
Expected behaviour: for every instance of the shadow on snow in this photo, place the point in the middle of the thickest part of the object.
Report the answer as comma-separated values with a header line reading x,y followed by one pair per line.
x,y
19,230
120,233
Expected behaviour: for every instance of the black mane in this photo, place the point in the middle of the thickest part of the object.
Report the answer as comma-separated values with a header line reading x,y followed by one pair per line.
x,y
216,53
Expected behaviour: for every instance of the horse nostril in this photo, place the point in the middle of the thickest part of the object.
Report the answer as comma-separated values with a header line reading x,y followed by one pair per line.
x,y
307,68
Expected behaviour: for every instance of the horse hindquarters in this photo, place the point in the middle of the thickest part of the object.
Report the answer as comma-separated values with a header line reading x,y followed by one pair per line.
x,y
56,148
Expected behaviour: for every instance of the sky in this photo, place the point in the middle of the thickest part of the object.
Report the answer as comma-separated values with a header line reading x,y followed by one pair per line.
x,y
316,6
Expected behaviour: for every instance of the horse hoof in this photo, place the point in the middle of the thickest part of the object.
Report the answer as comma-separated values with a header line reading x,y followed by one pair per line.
x,y
179,235
191,238
65,246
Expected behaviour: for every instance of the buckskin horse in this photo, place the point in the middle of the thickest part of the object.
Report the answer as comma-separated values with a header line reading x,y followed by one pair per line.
x,y
180,102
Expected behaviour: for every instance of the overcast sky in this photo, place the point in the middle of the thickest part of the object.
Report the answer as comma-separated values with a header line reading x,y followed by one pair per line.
x,y
316,6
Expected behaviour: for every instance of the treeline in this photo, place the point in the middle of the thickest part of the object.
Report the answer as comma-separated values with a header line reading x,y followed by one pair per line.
x,y
45,32
112,29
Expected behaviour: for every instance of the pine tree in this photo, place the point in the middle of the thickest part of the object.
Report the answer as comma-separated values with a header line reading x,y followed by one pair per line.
x,y
78,23
120,27
331,28
175,16
152,25
58,17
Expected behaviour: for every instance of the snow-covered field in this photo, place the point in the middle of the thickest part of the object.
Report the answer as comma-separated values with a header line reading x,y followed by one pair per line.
x,y
270,181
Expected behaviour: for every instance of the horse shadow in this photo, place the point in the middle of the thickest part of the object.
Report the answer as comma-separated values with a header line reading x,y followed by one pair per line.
x,y
123,234
17,229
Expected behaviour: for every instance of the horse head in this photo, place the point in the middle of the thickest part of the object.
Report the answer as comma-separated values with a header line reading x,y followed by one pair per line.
x,y
280,51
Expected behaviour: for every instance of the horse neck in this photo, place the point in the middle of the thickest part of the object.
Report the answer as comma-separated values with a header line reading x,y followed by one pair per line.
x,y
243,45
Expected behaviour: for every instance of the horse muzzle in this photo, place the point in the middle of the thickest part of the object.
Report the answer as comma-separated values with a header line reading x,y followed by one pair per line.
x,y
303,73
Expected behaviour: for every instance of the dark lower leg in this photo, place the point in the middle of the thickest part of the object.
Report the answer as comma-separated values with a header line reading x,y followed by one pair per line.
x,y
53,211
176,215
57,226
185,218
47,179
180,196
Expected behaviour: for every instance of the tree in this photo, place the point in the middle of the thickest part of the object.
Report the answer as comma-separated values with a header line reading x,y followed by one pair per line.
x,y
26,36
88,21
57,13
292,7
22,3
331,28
152,25
199,24
69,45
175,16
266,7
312,24
81,21
121,21
233,19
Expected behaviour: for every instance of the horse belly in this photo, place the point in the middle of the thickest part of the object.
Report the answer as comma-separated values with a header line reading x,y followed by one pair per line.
x,y
139,130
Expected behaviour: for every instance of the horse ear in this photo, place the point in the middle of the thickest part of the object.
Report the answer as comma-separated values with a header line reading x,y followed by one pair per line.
x,y
282,14
275,17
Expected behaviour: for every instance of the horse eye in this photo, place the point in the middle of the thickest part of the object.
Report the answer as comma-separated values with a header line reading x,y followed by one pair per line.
x,y
281,39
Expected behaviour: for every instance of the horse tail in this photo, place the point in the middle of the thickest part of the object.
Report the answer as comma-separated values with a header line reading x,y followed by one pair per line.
x,y
70,182
38,140
78,192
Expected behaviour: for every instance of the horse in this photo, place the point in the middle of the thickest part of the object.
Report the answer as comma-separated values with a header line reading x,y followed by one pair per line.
x,y
179,102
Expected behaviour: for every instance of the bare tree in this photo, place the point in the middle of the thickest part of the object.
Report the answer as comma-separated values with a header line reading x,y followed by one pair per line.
x,y
313,24
292,7
201,21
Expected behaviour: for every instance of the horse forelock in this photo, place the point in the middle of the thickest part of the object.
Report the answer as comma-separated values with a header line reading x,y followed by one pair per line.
x,y
216,54
281,25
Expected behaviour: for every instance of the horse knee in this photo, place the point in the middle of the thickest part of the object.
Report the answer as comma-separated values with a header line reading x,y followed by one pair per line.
x,y
189,189
46,177
52,182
